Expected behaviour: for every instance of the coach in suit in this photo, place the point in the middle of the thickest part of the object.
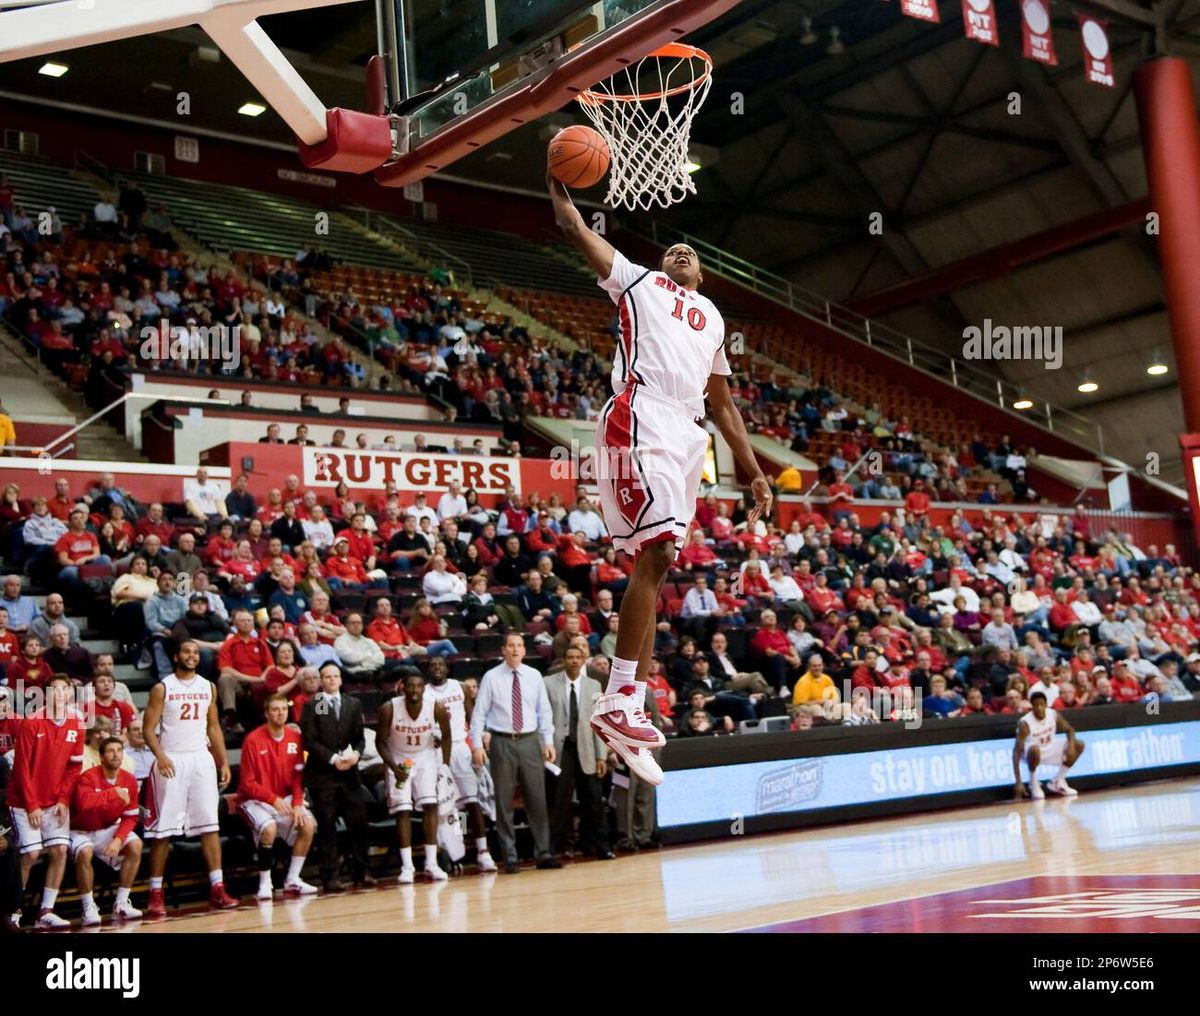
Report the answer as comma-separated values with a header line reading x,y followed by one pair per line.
x,y
513,711
581,756
332,722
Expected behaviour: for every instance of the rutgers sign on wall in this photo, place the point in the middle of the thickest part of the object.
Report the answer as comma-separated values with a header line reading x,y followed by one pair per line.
x,y
327,467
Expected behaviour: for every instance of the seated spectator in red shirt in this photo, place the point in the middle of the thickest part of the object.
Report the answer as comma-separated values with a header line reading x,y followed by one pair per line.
x,y
153,523
821,598
327,625
221,547
29,669
697,554
754,582
778,659
343,569
120,714
1061,616
242,663
542,539
575,562
840,490
390,635
489,550
1125,687
916,503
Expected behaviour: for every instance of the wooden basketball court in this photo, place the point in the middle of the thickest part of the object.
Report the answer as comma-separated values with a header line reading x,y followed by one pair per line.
x,y
1122,859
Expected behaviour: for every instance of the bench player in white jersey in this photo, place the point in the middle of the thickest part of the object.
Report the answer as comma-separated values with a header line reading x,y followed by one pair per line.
x,y
405,733
1038,745
444,689
650,450
183,730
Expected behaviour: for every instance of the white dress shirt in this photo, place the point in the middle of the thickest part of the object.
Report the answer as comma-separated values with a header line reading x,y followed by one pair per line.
x,y
444,587
699,604
451,507
493,704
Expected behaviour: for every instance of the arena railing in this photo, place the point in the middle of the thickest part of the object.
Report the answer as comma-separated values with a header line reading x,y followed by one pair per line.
x,y
382,224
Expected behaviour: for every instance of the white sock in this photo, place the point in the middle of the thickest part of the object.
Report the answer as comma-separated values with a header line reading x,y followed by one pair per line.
x,y
264,880
1062,773
295,867
87,901
481,846
622,674
155,882
406,857
215,877
122,896
49,898
639,694
430,856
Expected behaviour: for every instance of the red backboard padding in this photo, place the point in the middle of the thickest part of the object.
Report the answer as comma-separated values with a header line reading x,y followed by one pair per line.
x,y
356,143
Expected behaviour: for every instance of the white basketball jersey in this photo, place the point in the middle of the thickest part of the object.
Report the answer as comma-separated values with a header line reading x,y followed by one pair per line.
x,y
450,695
184,725
1040,732
411,738
671,338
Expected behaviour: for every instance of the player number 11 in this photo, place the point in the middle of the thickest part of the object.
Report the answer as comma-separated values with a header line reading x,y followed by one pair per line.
x,y
695,316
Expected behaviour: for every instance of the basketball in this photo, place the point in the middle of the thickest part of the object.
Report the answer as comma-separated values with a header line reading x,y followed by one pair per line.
x,y
578,156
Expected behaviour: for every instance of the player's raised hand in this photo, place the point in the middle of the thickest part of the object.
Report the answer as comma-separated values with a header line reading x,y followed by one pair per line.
x,y
762,500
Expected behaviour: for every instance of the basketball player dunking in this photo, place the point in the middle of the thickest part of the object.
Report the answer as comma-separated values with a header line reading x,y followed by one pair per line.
x,y
1038,745
407,727
183,730
650,450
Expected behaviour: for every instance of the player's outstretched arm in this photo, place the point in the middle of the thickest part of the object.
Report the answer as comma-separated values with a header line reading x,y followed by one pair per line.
x,y
216,739
597,251
1019,790
729,422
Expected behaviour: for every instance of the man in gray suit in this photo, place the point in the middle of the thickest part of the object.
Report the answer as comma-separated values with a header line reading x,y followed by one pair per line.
x,y
513,711
581,755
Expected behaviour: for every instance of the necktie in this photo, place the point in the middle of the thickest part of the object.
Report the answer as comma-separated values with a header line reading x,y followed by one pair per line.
x,y
337,707
573,723
518,717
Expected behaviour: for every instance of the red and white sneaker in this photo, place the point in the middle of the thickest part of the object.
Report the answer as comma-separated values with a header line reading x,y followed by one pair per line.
x,y
640,761
157,907
619,718
219,899
48,920
294,890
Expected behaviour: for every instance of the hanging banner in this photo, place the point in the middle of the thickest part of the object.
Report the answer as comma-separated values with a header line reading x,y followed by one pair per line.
x,y
1097,55
1037,39
922,10
979,17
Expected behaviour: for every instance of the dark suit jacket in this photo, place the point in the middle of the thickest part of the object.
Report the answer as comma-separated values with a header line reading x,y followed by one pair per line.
x,y
325,735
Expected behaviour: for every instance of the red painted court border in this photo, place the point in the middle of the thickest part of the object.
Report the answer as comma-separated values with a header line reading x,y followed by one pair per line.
x,y
1093,904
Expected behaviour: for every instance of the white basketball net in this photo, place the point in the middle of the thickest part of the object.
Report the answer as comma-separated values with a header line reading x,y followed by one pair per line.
x,y
644,113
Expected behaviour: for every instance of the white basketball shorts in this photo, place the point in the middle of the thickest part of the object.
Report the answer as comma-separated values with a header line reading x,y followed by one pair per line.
x,y
420,789
186,804
98,840
463,770
1051,754
53,831
650,460
259,815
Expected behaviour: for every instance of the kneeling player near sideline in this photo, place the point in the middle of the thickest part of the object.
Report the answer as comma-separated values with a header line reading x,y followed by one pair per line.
x,y
1039,726
183,730
651,449
104,812
271,798
46,763
449,693
407,726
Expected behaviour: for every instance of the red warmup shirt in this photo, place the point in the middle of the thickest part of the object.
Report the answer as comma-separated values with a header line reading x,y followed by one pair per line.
x,y
270,768
48,760
77,546
245,655
121,714
96,804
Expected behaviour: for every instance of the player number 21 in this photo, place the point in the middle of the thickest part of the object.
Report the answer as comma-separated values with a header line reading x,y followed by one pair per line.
x,y
189,711
695,316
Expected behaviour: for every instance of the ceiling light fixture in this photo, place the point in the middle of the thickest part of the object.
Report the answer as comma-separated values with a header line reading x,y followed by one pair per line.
x,y
52,69
1087,387
252,109
1024,402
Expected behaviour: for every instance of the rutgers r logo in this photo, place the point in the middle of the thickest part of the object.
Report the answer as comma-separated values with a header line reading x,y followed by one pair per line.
x,y
626,497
